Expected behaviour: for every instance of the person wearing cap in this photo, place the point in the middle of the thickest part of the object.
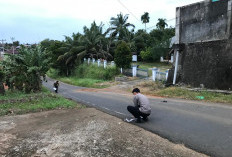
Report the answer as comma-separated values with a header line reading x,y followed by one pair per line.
x,y
141,108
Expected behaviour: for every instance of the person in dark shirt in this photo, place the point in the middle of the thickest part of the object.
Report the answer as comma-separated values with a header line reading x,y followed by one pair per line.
x,y
56,85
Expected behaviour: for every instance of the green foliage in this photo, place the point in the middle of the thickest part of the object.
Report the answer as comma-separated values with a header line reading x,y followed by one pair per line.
x,y
145,18
83,82
146,55
23,71
161,24
120,26
54,49
17,102
157,52
95,72
2,78
123,55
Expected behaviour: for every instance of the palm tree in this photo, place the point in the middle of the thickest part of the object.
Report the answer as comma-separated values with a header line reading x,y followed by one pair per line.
x,y
119,25
90,45
161,24
145,19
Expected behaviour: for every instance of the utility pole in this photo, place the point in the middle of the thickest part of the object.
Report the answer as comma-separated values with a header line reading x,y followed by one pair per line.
x,y
12,38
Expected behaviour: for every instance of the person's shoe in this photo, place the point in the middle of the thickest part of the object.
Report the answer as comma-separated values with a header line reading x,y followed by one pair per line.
x,y
138,120
145,119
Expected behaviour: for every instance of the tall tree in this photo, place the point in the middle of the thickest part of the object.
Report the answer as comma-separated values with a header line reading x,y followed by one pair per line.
x,y
123,55
88,45
145,19
119,24
161,24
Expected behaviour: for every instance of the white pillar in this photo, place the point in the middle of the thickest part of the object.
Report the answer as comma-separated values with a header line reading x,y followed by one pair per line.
x,y
93,60
112,63
161,59
84,59
88,60
134,70
154,70
121,70
171,59
167,74
176,67
105,62
98,62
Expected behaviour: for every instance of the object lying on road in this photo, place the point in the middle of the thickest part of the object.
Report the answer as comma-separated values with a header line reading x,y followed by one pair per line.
x,y
129,120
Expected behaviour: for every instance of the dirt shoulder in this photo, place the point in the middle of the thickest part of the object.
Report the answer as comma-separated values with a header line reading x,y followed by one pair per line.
x,y
81,132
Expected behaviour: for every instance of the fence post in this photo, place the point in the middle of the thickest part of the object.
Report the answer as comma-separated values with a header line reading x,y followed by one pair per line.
x,y
154,70
98,62
121,70
88,60
171,59
134,70
105,62
93,60
167,74
112,63
161,59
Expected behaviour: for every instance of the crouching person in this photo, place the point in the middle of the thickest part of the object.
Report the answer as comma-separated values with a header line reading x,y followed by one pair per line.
x,y
141,106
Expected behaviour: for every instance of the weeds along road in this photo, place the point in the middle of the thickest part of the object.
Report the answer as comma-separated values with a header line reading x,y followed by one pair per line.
x,y
204,127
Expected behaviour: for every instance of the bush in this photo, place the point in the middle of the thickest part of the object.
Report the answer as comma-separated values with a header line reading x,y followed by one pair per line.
x,y
146,55
158,52
123,56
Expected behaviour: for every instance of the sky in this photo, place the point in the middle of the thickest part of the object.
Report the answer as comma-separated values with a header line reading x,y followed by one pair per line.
x,y
31,21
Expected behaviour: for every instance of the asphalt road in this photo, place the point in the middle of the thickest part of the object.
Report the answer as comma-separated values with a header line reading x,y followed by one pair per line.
x,y
204,127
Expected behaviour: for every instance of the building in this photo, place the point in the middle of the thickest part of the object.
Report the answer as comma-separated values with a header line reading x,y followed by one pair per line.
x,y
203,48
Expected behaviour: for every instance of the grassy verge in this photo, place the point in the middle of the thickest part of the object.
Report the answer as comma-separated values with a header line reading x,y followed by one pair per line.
x,y
145,65
84,82
19,102
88,76
158,89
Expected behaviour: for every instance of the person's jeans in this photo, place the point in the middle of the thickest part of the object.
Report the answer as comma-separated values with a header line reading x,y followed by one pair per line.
x,y
136,112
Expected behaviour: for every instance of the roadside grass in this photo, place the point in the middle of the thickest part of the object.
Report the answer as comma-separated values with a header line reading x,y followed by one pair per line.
x,y
158,89
90,76
147,65
15,102
84,82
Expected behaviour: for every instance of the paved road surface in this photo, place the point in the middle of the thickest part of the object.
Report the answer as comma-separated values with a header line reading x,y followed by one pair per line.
x,y
204,127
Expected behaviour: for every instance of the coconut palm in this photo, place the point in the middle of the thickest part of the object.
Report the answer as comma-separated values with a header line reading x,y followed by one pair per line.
x,y
88,45
161,24
145,19
119,25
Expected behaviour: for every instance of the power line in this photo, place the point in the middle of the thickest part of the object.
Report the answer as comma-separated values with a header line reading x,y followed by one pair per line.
x,y
128,10
193,22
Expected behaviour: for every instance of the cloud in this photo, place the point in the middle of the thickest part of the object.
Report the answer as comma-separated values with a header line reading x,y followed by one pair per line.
x,y
53,18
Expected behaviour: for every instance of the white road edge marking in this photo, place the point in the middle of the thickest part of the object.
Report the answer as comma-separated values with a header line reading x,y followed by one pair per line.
x,y
119,113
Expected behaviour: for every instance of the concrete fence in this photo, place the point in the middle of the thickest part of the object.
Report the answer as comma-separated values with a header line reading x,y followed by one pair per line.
x,y
99,62
160,76
170,61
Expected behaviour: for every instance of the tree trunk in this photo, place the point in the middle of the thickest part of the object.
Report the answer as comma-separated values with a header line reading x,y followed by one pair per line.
x,y
2,89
